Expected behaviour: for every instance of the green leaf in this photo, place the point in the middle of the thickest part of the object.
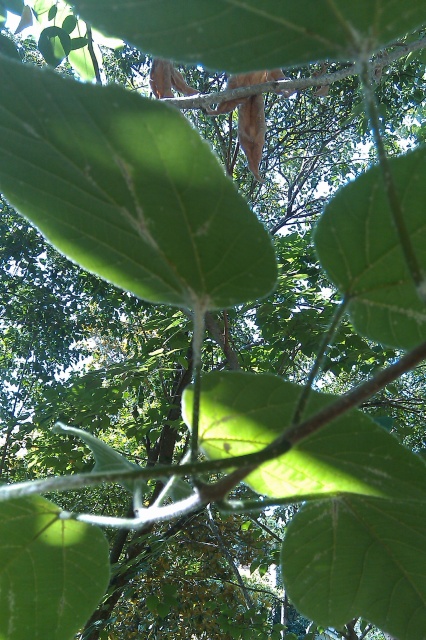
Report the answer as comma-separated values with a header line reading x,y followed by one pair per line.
x,y
358,247
152,603
241,413
248,35
359,556
51,14
53,572
78,43
126,188
54,44
107,459
81,60
69,24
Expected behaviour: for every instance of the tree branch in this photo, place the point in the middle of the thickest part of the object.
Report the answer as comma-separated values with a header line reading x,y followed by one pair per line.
x,y
202,101
245,463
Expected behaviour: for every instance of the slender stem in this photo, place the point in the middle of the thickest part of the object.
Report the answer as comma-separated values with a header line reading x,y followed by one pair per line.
x,y
228,555
317,366
197,343
391,192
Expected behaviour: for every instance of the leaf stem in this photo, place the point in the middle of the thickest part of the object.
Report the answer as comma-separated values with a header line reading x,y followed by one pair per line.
x,y
197,343
391,192
326,343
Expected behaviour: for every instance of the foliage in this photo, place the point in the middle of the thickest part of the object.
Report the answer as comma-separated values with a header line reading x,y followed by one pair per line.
x,y
127,188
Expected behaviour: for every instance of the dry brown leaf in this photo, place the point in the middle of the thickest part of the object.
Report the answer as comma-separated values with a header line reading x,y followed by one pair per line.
x,y
164,77
240,80
25,21
180,85
377,73
251,114
160,78
251,131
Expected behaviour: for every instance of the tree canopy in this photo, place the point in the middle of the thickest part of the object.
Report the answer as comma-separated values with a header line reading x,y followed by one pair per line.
x,y
212,276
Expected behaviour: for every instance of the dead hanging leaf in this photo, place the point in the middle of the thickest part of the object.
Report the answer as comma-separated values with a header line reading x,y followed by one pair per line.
x,y
234,82
377,73
251,131
160,78
164,77
251,114
277,74
180,85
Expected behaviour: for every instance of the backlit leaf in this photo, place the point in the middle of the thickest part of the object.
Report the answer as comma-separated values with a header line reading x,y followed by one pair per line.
x,y
241,413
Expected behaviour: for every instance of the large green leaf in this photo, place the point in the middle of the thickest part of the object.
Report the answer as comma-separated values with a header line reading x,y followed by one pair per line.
x,y
106,458
241,413
358,246
53,572
14,6
359,556
248,34
125,187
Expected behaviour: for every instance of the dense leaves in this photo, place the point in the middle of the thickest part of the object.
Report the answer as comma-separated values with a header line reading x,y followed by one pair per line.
x,y
126,188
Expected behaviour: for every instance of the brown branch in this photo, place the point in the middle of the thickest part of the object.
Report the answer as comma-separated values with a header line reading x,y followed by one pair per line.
x,y
355,397
215,332
93,55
